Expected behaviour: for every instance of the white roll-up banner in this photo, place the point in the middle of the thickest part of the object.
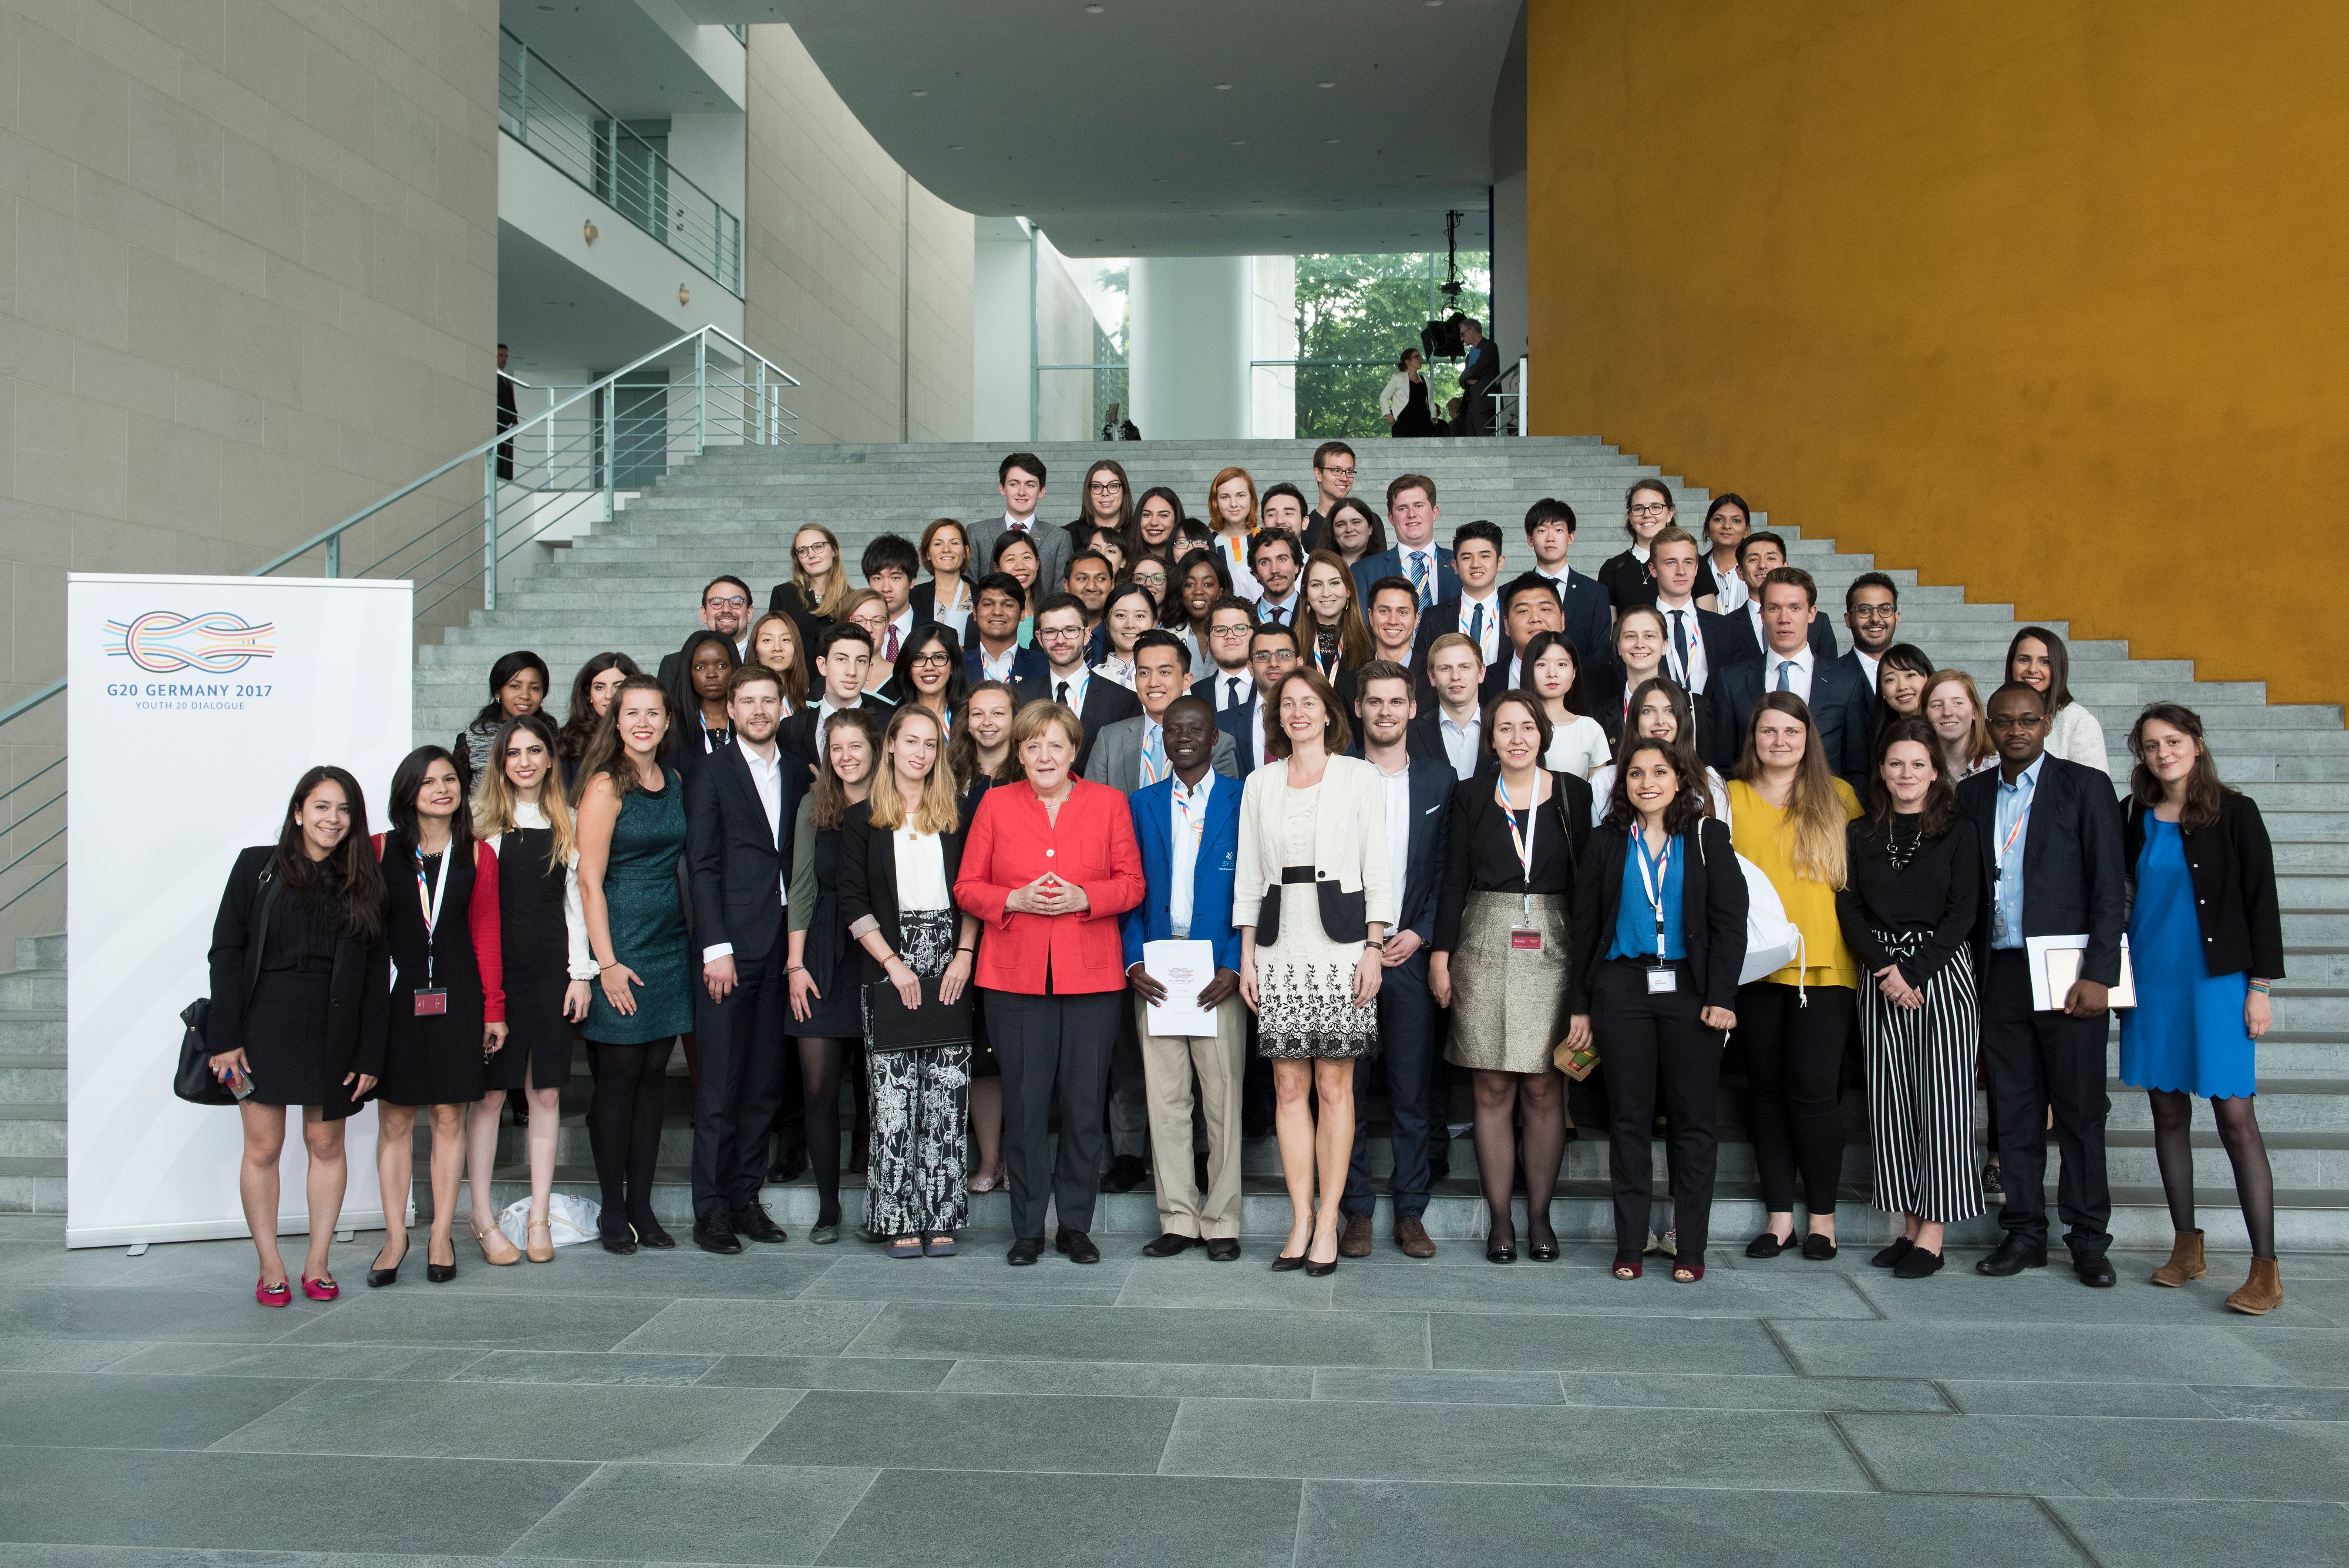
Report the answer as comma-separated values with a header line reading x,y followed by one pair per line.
x,y
193,705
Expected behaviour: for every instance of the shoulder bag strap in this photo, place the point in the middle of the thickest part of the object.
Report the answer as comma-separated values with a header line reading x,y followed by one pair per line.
x,y
260,934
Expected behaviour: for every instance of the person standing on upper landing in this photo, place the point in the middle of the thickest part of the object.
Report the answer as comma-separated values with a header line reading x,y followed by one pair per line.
x,y
1405,401
1480,370
2051,857
2208,936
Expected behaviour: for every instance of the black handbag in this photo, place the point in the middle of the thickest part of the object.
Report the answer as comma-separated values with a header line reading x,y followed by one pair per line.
x,y
934,1023
193,1081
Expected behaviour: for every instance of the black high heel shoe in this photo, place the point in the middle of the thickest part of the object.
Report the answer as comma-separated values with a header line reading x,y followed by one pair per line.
x,y
1285,1264
379,1276
440,1273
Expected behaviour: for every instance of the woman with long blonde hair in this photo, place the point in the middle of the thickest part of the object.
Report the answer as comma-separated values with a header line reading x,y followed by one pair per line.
x,y
1231,512
818,579
520,813
1787,814
901,851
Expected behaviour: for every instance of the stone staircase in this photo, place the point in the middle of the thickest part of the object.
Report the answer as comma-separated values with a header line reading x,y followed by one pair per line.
x,y
634,585
33,1079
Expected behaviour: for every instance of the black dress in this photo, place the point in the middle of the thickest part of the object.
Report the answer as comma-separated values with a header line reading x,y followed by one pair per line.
x,y
315,1015
1416,420
534,943
825,954
1628,582
434,1059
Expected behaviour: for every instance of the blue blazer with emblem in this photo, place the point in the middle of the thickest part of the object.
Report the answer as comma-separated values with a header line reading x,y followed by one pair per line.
x,y
1211,884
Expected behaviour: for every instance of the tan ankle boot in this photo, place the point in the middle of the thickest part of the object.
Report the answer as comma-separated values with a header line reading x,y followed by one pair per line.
x,y
2185,1261
2262,1294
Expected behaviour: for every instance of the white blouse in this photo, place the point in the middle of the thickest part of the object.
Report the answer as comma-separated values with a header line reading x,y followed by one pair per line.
x,y
579,958
957,616
921,870
2076,737
1577,747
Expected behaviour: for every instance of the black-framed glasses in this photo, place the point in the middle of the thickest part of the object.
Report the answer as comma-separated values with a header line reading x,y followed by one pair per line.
x,y
2016,721
730,601
935,656
1652,509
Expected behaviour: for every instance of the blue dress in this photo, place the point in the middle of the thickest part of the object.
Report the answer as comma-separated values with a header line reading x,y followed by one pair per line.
x,y
2186,1033
647,923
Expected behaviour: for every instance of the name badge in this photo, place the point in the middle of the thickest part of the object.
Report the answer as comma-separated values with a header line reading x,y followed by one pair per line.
x,y
431,1003
1521,940
1662,981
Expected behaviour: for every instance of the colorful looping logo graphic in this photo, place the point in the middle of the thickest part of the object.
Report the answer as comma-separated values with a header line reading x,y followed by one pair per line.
x,y
217,642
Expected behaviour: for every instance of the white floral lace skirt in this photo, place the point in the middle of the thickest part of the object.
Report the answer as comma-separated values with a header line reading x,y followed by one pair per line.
x,y
1305,991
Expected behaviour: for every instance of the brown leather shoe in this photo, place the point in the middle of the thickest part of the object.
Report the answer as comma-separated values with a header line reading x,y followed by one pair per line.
x,y
1354,1241
2185,1261
2262,1294
1411,1237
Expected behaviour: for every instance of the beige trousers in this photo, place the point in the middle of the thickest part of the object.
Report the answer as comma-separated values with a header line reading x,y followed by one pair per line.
x,y
1168,1063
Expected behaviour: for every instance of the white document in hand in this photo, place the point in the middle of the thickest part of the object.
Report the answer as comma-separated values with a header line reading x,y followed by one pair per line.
x,y
2054,963
1183,968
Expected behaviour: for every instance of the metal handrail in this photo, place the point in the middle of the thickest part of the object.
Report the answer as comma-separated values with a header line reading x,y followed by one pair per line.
x,y
1499,396
584,142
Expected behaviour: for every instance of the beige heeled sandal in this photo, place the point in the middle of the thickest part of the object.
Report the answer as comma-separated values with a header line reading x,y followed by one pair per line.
x,y
502,1254
540,1252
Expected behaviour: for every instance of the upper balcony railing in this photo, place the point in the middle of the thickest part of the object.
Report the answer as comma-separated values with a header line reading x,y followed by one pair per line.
x,y
542,109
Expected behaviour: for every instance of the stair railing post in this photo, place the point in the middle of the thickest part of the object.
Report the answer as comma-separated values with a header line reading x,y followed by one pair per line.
x,y
521,97
611,455
335,557
489,529
701,394
762,402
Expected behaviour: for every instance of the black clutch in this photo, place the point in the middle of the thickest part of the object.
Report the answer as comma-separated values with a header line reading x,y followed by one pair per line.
x,y
891,1026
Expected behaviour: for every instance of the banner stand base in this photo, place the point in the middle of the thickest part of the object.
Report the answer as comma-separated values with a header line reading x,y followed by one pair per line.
x,y
138,1237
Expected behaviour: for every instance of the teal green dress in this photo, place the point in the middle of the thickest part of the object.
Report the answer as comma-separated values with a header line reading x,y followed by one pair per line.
x,y
647,923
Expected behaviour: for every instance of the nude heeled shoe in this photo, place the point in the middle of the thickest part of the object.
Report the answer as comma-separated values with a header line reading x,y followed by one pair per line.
x,y
540,1252
501,1253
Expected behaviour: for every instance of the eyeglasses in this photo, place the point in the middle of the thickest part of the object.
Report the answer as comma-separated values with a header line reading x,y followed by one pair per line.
x,y
2016,721
809,552
1104,486
1242,629
1055,633
1876,612
731,601
1273,656
1336,473
1652,509
935,656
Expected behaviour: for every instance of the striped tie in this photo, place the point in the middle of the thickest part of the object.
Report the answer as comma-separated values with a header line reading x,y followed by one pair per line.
x,y
1153,755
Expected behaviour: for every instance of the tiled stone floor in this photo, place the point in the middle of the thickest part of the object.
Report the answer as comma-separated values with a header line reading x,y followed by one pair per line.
x,y
805,1405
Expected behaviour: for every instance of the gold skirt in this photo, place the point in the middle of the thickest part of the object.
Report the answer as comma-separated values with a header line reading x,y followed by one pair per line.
x,y
1508,1007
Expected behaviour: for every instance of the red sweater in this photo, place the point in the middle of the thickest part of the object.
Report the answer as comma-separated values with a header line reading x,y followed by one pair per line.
x,y
481,918
1012,842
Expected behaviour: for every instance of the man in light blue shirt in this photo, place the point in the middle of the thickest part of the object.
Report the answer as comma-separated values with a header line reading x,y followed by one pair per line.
x,y
2013,822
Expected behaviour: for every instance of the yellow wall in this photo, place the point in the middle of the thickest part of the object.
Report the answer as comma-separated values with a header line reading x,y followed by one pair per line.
x,y
2047,297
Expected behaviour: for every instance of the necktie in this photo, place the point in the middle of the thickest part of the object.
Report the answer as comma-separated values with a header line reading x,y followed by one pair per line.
x,y
1419,579
1061,692
1272,613
1231,690
1785,674
1477,627
1154,756
889,650
1679,643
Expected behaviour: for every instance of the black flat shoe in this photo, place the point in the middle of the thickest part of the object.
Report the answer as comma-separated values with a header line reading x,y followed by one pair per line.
x,y
1818,1248
1078,1246
1890,1257
754,1222
1504,1254
1917,1263
2011,1256
650,1234
1767,1245
1285,1264
1222,1250
620,1243
1168,1245
379,1276
1543,1251
2096,1274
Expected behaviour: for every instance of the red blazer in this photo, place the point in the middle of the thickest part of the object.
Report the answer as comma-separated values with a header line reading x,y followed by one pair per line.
x,y
1011,844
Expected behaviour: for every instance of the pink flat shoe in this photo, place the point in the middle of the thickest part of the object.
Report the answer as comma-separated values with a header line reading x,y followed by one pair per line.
x,y
278,1295
322,1289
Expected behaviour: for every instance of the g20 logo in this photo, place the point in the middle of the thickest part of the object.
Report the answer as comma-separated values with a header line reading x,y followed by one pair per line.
x,y
216,642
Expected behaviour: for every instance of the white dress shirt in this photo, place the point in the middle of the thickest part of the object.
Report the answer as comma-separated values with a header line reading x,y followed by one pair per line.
x,y
1189,811
1489,636
1053,680
903,625
1233,688
1868,664
767,777
1395,787
997,666
1797,665
1462,741
1694,673
1728,590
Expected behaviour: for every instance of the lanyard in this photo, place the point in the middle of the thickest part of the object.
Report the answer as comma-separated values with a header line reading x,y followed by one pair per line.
x,y
1522,842
428,893
1186,802
1328,665
2021,821
1653,886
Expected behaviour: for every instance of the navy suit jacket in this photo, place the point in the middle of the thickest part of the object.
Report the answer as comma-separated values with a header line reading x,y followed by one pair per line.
x,y
1105,704
1211,877
735,858
1740,646
1432,783
1027,665
2073,878
1840,705
1589,619
1389,564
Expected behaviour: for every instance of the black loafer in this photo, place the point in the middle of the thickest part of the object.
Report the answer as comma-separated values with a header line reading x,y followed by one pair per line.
x,y
1890,1257
1025,1252
1222,1250
2012,1257
1167,1245
755,1222
1078,1246
2096,1274
1917,1264
717,1239
1766,1245
1818,1248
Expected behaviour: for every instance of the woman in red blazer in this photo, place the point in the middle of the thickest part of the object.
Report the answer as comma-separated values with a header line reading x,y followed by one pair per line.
x,y
1048,868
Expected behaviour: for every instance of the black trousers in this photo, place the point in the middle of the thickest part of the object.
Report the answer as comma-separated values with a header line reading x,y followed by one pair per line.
x,y
2038,1061
1653,1051
1053,1049
1407,1032
744,1056
1794,1068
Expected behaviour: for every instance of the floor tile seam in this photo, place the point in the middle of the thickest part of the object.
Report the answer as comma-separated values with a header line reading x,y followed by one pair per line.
x,y
880,1309
594,1469
850,1512
1850,1447
1851,1283
1855,1490
1785,1351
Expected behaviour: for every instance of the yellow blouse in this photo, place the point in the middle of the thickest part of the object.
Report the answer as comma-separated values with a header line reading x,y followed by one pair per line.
x,y
1757,829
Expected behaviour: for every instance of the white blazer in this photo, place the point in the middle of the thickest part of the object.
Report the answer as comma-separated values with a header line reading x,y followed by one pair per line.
x,y
1397,395
2076,736
1350,835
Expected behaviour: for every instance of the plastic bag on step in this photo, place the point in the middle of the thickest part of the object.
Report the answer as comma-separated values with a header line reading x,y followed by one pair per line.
x,y
571,1220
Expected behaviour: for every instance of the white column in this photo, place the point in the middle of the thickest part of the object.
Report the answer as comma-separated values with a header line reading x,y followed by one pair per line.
x,y
1191,319
999,331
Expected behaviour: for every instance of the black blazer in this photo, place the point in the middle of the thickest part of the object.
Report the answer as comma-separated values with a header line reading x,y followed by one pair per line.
x,y
1589,619
868,880
1423,737
1105,704
1712,911
2074,877
2233,866
358,991
797,733
735,862
787,599
1841,705
1472,808
1432,783
1740,646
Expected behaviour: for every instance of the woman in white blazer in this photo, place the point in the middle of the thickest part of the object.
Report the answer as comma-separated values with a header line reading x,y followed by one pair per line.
x,y
1407,401
1312,817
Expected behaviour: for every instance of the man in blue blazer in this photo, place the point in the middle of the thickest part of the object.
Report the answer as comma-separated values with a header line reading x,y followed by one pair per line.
x,y
1189,828
1839,702
1418,793
1416,556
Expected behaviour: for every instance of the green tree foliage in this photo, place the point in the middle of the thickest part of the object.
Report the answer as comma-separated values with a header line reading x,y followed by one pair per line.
x,y
1354,315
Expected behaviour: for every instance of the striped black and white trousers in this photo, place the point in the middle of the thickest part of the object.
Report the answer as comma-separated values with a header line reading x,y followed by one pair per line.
x,y
1921,1091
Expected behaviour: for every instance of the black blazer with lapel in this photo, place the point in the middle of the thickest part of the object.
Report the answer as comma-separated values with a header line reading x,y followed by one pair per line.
x,y
1841,708
358,986
1105,704
2073,878
1712,911
797,733
1740,646
1240,725
735,859
868,880
2233,866
1589,619
1423,737
1472,808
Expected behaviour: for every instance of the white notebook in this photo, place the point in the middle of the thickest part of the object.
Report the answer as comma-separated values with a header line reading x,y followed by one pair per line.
x,y
2055,964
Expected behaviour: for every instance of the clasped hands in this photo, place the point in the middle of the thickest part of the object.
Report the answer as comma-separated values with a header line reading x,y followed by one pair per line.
x,y
1047,895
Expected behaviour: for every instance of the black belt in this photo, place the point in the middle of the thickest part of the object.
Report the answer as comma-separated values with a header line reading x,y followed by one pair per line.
x,y
1297,874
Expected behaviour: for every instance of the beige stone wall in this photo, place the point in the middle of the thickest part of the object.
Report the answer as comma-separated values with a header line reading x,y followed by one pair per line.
x,y
247,284
856,280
